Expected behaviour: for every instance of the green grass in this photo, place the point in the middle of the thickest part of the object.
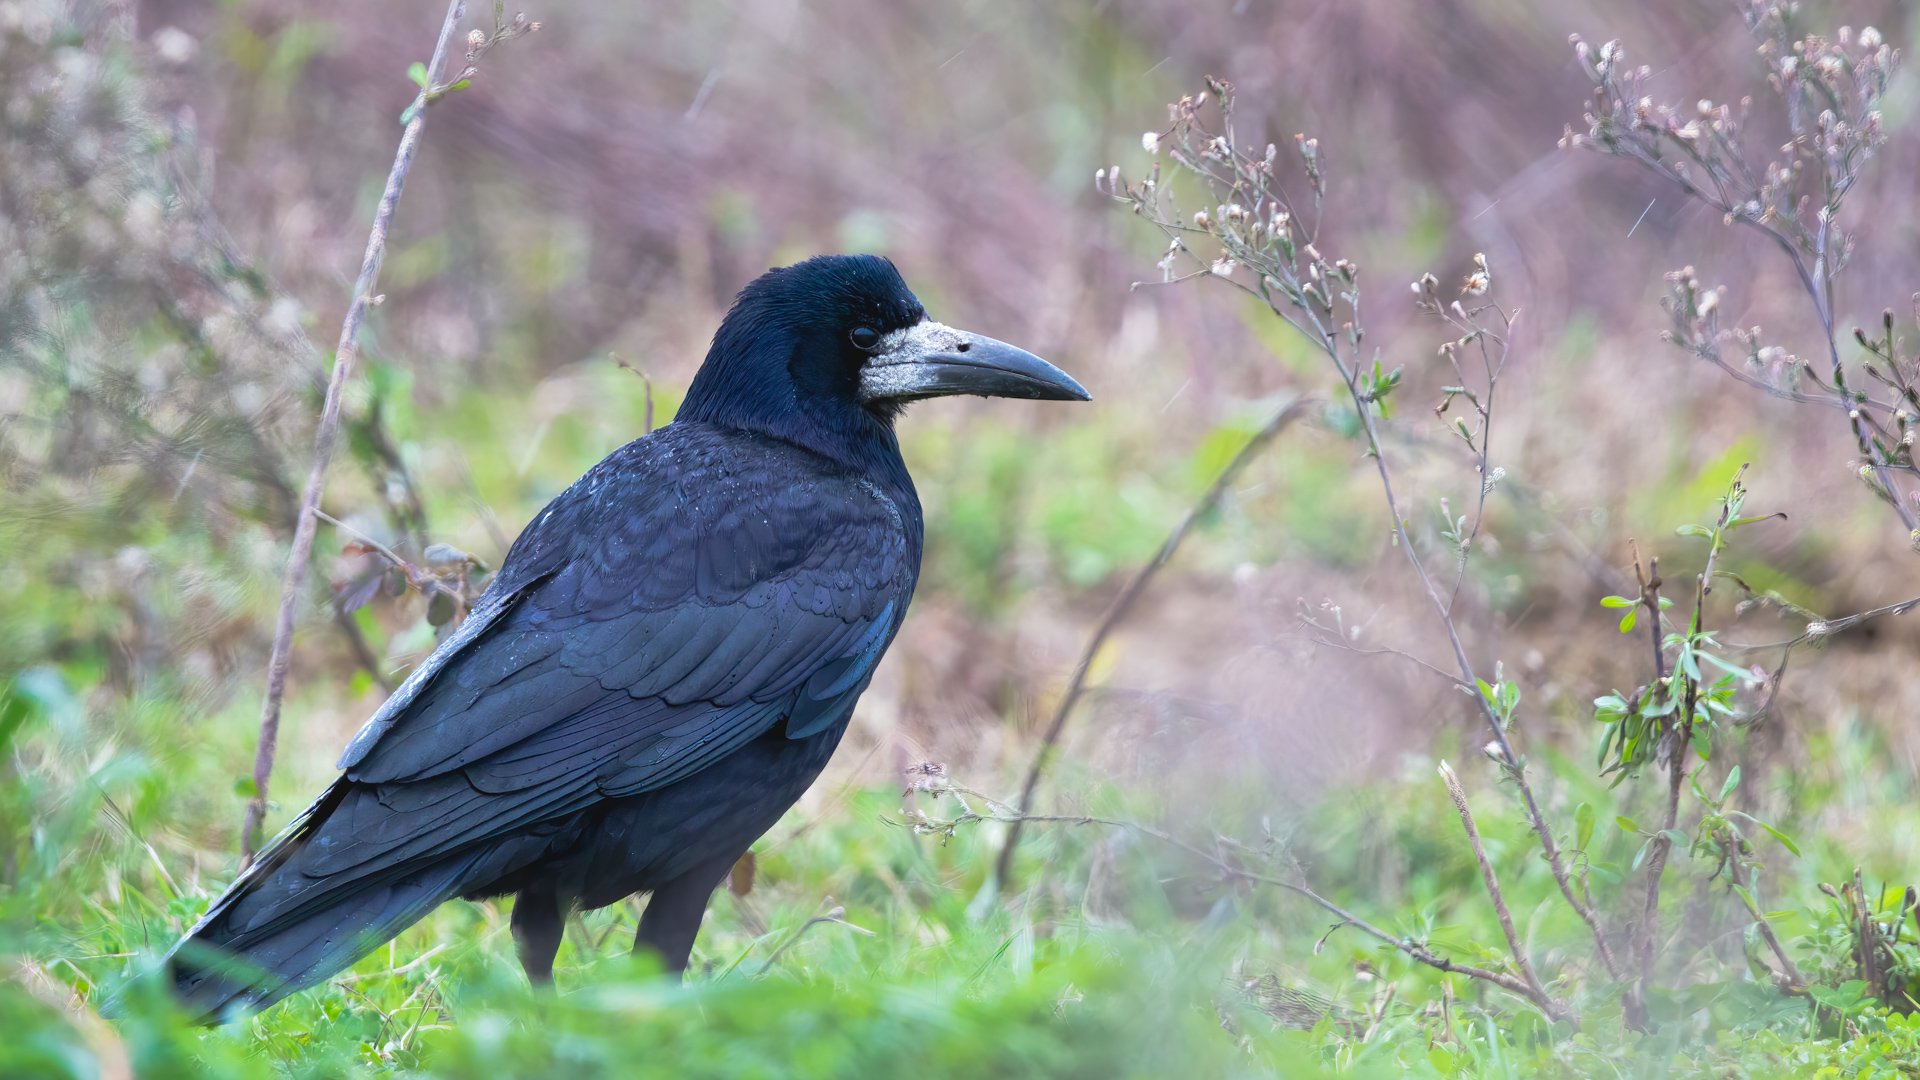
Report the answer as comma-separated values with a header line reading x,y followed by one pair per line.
x,y
1120,957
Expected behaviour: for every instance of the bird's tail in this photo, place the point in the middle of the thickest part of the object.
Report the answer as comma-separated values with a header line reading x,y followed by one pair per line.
x,y
216,970
250,952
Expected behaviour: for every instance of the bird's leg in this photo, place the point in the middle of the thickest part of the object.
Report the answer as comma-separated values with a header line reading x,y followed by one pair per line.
x,y
673,915
537,926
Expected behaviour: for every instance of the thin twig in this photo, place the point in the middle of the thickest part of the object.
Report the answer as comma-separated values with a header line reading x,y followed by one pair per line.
x,y
1511,761
1003,867
1335,643
836,914
1493,883
1680,732
325,435
1554,1008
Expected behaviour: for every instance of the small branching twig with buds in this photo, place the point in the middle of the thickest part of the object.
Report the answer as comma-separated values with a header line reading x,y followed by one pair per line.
x,y
1831,90
1257,227
328,431
1487,340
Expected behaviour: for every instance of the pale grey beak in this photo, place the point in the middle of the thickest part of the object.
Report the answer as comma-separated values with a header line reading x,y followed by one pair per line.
x,y
932,360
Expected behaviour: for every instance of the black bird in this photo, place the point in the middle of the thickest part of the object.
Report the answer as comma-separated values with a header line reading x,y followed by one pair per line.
x,y
666,660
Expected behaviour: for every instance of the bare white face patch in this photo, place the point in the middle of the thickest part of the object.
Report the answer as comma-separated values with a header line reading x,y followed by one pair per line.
x,y
899,370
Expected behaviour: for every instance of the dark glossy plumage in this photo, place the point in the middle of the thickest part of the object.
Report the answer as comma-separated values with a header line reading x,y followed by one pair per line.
x,y
667,659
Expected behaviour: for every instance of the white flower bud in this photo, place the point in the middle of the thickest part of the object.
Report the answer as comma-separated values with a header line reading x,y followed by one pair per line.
x,y
1869,38
1150,142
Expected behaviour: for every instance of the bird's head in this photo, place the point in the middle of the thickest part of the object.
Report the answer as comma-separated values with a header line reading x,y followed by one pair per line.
x,y
825,353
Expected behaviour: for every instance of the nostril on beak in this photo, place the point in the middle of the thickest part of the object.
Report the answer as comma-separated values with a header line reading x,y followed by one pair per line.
x,y
964,346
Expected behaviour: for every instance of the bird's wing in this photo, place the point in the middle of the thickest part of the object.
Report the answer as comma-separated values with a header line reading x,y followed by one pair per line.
x,y
677,602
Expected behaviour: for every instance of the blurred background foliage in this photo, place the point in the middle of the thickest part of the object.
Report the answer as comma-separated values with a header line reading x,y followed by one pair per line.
x,y
185,187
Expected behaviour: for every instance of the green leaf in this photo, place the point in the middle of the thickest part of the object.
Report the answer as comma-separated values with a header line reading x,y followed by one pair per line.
x,y
1675,837
1733,781
1665,603
417,71
1627,824
1694,530
1583,826
1617,601
1785,840
1629,621
1641,856
245,787
1608,872
1731,669
14,709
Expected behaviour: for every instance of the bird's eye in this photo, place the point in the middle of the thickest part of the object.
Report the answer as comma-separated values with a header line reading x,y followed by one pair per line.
x,y
864,338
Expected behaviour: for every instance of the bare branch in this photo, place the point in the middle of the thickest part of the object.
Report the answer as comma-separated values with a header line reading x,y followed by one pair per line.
x,y
323,443
1519,951
1003,867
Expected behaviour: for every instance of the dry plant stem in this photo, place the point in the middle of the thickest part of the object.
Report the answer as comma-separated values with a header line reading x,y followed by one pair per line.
x,y
1553,1008
1484,409
1682,737
1520,958
1548,844
1816,280
834,914
1681,734
325,436
1279,279
1076,684
1738,871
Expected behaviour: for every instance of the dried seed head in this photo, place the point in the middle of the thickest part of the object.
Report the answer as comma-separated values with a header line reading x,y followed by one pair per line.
x,y
1150,142
1869,38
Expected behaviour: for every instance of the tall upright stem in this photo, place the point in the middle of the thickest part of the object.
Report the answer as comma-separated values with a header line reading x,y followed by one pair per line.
x,y
324,438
